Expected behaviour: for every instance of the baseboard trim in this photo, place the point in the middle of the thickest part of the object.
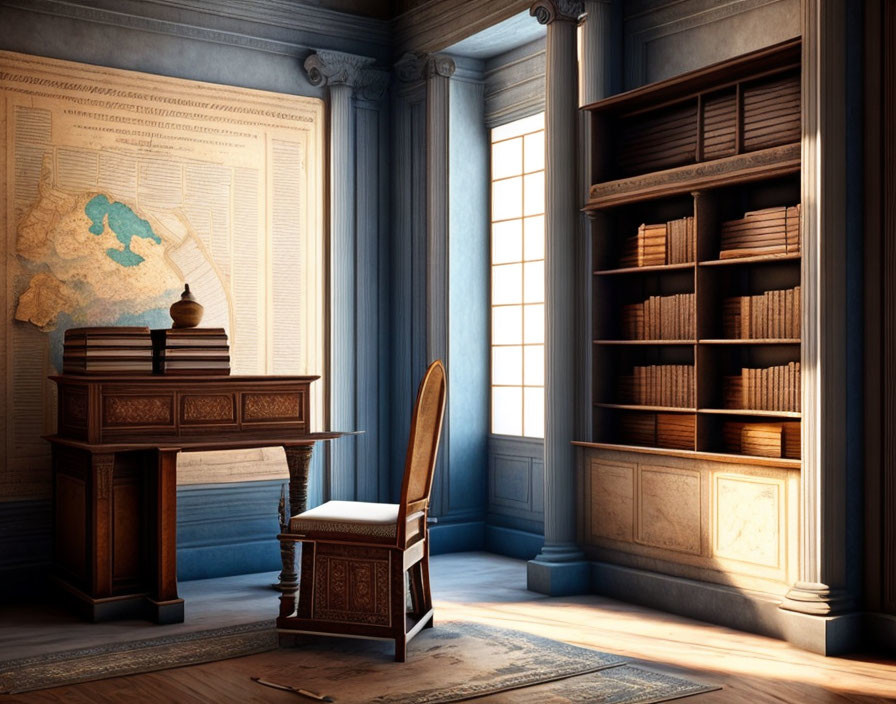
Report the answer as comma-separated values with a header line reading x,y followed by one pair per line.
x,y
745,610
512,542
456,537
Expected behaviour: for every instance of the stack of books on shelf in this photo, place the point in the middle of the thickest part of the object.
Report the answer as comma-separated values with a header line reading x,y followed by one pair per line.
x,y
669,385
193,351
675,430
107,350
769,315
671,242
767,231
672,430
660,318
638,429
762,439
768,389
647,248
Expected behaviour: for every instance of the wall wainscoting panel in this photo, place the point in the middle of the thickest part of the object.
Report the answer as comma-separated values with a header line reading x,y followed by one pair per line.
x,y
26,546
516,483
225,529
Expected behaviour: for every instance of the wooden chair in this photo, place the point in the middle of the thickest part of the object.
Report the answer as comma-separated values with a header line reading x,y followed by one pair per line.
x,y
359,558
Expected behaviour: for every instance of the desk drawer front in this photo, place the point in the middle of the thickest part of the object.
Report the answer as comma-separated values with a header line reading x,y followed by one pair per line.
x,y
123,410
274,406
205,409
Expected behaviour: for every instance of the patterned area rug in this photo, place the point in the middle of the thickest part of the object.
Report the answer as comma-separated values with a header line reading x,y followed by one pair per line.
x,y
114,660
459,662
453,662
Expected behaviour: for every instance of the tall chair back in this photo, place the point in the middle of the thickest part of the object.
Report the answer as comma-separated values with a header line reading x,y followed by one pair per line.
x,y
423,443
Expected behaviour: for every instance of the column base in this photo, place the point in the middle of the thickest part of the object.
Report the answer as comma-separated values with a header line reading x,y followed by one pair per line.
x,y
817,599
825,635
558,578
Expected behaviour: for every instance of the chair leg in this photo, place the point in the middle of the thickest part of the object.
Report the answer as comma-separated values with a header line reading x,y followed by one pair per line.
x,y
398,605
424,579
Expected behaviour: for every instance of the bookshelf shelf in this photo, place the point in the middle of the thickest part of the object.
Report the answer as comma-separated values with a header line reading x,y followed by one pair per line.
x,y
749,412
654,409
762,259
758,460
645,342
696,329
763,341
644,269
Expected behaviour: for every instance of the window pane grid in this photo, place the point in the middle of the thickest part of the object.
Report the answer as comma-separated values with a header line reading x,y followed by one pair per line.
x,y
518,197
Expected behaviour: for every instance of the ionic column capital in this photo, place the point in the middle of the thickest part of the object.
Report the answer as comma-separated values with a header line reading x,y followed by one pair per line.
x,y
549,11
416,66
336,68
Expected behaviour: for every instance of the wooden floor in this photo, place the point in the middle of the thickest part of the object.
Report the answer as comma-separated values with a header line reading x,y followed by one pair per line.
x,y
490,589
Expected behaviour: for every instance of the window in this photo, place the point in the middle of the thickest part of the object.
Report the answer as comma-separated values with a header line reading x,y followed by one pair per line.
x,y
517,268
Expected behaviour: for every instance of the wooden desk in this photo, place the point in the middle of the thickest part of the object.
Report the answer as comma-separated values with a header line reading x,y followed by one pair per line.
x,y
114,475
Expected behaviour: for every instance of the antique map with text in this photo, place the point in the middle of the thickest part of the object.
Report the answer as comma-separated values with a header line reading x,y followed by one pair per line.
x,y
121,186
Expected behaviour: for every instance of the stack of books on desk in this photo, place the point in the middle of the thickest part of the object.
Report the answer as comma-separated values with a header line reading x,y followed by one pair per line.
x,y
194,351
107,350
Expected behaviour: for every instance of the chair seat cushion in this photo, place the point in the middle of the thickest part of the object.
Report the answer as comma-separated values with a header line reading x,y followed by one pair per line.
x,y
351,517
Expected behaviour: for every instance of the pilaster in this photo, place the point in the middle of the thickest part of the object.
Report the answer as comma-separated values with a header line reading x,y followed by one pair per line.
x,y
601,51
438,71
343,74
560,567
821,591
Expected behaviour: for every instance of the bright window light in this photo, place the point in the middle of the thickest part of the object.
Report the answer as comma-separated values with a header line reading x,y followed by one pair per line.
x,y
518,195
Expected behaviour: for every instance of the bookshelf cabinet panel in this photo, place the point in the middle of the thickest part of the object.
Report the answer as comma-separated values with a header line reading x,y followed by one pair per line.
x,y
693,465
691,517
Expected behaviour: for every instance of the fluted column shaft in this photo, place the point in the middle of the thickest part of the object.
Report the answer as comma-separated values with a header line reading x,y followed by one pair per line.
x,y
601,50
341,73
822,586
561,222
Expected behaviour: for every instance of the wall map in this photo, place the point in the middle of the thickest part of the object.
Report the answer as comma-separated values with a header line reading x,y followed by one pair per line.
x,y
120,186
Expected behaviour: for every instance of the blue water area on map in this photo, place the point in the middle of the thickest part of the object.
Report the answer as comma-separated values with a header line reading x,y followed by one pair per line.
x,y
124,222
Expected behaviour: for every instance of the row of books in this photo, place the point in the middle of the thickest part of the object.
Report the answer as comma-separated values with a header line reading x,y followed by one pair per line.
x,y
671,242
769,315
770,389
780,439
768,231
660,318
670,385
134,350
672,430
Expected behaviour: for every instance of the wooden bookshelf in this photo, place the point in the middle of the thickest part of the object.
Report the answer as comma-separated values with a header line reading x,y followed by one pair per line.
x,y
695,210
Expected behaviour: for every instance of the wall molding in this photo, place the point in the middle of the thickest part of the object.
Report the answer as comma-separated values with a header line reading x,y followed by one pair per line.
x,y
437,24
312,34
647,21
515,84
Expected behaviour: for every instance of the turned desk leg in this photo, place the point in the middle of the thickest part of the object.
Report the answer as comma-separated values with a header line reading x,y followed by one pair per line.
x,y
298,460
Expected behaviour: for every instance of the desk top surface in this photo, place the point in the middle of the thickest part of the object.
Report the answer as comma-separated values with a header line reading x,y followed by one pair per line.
x,y
229,441
179,379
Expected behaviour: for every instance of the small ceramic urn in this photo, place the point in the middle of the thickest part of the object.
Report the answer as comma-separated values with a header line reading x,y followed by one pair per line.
x,y
187,312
